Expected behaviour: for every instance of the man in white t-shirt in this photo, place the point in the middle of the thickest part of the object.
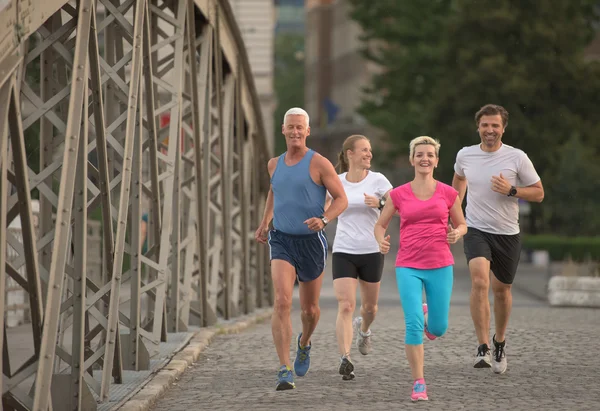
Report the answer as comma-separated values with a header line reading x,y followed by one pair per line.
x,y
497,176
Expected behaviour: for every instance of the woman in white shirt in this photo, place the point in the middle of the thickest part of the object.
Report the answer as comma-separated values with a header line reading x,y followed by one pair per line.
x,y
356,258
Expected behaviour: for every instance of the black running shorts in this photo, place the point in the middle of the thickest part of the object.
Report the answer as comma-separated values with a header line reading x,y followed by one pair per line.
x,y
502,251
366,267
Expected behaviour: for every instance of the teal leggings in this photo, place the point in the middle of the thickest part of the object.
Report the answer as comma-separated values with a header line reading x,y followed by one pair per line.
x,y
438,290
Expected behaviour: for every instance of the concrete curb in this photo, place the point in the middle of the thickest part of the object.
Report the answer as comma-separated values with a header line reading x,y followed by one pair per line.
x,y
149,392
567,291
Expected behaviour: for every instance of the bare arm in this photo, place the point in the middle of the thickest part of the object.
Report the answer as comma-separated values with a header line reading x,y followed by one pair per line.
x,y
382,224
460,184
331,181
533,193
526,172
328,201
373,201
268,213
458,221
458,218
261,232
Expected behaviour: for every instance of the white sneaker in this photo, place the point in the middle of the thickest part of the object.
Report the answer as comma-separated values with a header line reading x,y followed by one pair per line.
x,y
483,359
499,364
363,340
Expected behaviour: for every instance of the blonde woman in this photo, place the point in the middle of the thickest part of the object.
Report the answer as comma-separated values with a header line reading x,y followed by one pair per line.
x,y
424,259
356,259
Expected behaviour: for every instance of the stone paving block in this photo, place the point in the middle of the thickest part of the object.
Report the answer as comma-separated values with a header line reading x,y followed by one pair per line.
x,y
550,353
553,358
168,376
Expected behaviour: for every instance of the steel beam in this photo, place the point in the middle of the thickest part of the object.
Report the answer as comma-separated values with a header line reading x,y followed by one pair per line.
x,y
133,107
96,83
5,91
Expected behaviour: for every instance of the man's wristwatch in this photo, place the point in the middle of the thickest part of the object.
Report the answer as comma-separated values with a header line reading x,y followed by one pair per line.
x,y
512,192
324,220
381,203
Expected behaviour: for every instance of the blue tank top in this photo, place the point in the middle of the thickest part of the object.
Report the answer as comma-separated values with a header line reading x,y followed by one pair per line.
x,y
296,197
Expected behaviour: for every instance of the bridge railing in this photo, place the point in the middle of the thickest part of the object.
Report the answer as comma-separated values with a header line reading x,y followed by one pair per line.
x,y
148,124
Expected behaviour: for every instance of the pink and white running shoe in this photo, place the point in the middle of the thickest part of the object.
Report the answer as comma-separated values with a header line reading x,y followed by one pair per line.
x,y
427,333
419,391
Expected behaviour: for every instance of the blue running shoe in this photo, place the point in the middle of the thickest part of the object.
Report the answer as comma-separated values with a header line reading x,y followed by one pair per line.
x,y
285,379
302,362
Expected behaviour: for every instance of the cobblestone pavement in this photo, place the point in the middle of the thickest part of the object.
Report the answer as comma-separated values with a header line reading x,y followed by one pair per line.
x,y
553,364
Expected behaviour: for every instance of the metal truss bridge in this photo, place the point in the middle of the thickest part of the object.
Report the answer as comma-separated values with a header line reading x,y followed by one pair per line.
x,y
132,152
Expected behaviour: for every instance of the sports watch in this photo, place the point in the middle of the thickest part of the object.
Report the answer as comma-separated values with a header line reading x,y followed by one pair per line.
x,y
381,203
512,192
324,220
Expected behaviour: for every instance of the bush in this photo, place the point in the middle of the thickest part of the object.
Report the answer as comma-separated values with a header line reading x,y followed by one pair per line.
x,y
559,248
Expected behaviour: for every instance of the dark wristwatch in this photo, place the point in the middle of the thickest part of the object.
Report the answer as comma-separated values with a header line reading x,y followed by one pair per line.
x,y
381,203
512,192
324,220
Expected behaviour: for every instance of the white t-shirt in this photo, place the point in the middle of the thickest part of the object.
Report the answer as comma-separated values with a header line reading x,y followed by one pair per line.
x,y
354,233
487,210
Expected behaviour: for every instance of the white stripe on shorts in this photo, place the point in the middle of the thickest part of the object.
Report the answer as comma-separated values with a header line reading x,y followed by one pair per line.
x,y
324,244
269,242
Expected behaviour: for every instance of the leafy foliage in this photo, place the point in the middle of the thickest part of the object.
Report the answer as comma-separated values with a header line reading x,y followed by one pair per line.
x,y
442,60
289,79
529,60
575,190
403,38
560,248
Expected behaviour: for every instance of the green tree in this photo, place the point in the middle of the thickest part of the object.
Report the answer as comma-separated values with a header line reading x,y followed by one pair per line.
x,y
289,79
575,190
403,38
529,57
525,55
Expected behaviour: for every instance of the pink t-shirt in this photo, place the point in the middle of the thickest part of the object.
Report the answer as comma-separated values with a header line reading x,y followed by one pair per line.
x,y
424,227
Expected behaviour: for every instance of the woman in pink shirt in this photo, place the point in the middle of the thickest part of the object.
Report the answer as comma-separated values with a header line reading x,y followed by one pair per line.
x,y
424,259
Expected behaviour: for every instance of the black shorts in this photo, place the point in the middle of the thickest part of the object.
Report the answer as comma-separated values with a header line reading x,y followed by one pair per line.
x,y
366,267
502,251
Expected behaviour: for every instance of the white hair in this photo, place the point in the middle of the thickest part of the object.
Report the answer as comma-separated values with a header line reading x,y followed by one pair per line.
x,y
297,111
